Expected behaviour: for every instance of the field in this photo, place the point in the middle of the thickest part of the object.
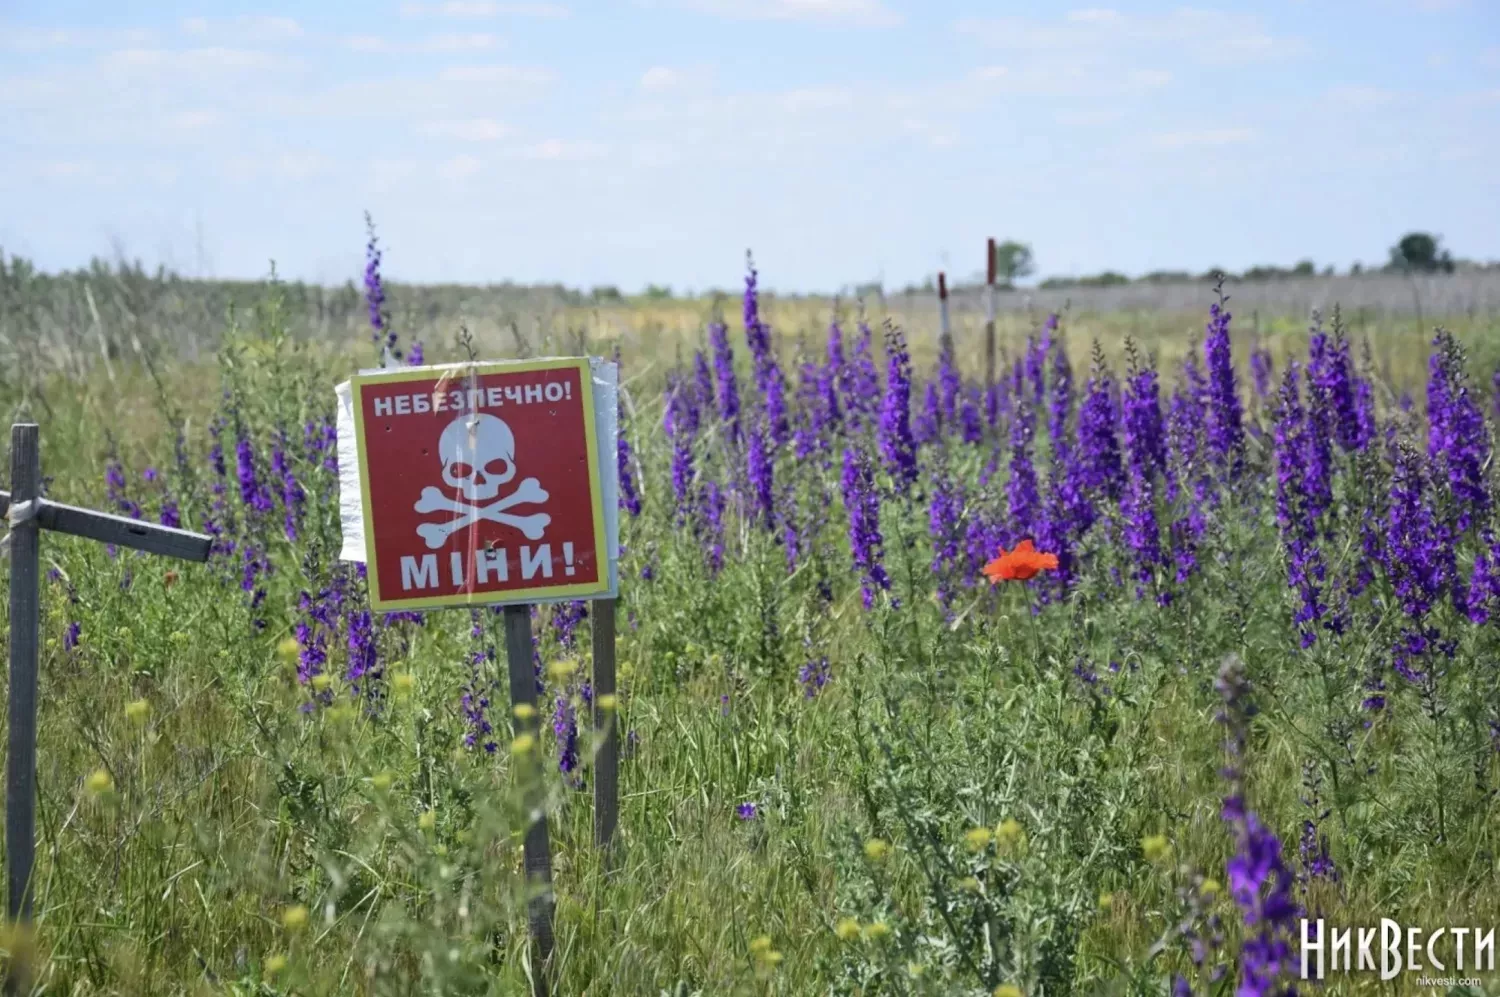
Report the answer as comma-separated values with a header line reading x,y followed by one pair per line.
x,y
1259,681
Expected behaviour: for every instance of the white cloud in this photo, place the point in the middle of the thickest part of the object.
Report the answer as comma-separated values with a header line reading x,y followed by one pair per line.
x,y
277,166
460,9
1352,97
458,93
937,135
192,60
660,78
1204,36
562,150
519,75
1205,137
1051,79
473,130
66,169
472,42
1086,118
459,167
384,175
246,29
864,13
191,120
44,39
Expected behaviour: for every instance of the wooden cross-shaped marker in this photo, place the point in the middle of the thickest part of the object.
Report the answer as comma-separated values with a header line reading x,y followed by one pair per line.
x,y
28,514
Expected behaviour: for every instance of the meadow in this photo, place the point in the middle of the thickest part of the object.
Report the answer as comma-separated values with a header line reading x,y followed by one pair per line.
x,y
1259,681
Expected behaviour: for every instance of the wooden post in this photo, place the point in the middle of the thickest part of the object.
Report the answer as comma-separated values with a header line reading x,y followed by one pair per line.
x,y
28,514
607,755
25,624
536,850
989,314
945,339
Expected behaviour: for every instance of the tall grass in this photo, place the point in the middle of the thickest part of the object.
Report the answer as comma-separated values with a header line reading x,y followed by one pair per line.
x,y
1005,789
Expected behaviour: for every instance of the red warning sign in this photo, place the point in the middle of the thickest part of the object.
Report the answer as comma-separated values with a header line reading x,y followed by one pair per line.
x,y
481,484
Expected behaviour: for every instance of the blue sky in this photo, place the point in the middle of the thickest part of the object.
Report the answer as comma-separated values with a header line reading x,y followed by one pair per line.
x,y
632,141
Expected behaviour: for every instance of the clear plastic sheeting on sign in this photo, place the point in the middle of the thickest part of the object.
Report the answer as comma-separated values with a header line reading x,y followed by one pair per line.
x,y
475,479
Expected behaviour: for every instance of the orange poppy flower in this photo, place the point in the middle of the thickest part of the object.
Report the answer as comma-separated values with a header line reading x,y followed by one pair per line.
x,y
1020,564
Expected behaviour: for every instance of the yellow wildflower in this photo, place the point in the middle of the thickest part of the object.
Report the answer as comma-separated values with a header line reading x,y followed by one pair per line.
x,y
382,780
275,964
428,820
322,682
608,702
847,929
137,711
99,782
403,683
1106,901
969,884
1010,832
760,944
876,930
772,958
978,839
524,711
294,918
1155,847
522,744
560,670
289,649
1209,887
1008,990
876,850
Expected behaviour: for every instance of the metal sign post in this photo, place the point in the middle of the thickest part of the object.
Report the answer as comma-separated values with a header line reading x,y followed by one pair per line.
x,y
27,514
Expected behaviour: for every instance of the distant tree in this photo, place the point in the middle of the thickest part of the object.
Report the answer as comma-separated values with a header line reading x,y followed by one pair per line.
x,y
1305,268
1013,260
656,292
605,293
1419,252
1356,269
1108,278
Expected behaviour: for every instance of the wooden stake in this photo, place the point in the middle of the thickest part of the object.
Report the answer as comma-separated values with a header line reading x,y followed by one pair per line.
x,y
536,850
989,314
946,336
607,756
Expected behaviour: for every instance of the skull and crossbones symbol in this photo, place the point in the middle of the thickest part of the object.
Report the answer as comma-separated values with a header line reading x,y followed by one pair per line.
x,y
479,456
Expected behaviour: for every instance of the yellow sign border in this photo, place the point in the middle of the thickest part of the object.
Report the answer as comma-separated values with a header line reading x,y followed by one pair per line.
x,y
512,596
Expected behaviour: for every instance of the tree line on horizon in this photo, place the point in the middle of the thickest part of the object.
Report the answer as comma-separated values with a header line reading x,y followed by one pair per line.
x,y
1414,253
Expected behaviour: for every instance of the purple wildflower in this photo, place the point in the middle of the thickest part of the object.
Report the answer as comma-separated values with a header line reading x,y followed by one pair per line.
x,y
381,333
728,393
813,676
1259,882
760,472
565,727
865,542
897,447
1225,429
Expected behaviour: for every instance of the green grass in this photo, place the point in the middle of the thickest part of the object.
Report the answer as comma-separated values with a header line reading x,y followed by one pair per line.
x,y
231,806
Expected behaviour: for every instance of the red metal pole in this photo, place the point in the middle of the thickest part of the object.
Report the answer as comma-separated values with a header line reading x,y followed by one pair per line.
x,y
989,318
